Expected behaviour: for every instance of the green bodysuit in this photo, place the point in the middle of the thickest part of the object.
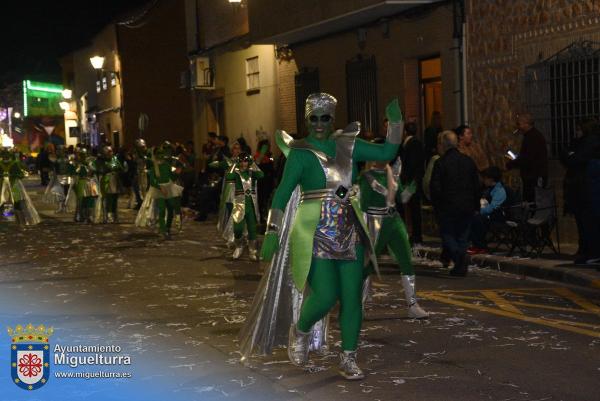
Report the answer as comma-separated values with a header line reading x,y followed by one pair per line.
x,y
392,233
168,202
244,209
330,280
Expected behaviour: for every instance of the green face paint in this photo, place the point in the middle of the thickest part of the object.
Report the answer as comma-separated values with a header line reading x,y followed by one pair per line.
x,y
320,124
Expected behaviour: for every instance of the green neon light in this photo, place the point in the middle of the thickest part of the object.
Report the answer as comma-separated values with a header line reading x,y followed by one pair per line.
x,y
25,110
38,86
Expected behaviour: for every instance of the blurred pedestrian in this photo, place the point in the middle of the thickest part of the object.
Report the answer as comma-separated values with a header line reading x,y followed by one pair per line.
x,y
264,160
532,160
208,148
413,169
431,135
455,198
582,164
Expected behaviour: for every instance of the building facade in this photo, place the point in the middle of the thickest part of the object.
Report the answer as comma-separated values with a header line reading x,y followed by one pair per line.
x,y
364,53
144,54
234,84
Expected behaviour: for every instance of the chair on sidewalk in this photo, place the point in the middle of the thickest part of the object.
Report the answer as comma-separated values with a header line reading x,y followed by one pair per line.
x,y
508,234
543,221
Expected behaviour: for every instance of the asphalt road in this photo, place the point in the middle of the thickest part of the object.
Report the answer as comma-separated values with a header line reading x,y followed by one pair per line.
x,y
176,307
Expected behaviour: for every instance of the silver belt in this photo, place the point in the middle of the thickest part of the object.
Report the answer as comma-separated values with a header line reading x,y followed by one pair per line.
x,y
327,194
248,192
381,211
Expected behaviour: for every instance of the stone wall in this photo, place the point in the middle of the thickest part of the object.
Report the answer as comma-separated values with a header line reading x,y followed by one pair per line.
x,y
503,37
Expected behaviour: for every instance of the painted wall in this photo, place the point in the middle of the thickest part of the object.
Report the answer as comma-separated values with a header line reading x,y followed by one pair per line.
x,y
246,113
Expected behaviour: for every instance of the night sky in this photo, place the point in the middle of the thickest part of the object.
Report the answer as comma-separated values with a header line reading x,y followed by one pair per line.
x,y
34,34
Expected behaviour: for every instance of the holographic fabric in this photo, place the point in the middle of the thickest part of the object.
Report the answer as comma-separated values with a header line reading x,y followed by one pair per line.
x,y
335,235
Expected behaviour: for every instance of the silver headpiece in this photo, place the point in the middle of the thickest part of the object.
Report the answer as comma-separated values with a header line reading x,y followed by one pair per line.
x,y
323,101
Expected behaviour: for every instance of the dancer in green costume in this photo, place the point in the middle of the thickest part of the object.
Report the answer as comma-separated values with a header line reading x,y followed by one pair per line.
x,y
86,187
227,193
12,191
62,179
379,186
329,241
244,213
167,194
108,168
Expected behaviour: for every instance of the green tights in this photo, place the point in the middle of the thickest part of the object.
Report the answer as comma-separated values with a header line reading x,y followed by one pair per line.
x,y
166,207
394,236
249,221
330,280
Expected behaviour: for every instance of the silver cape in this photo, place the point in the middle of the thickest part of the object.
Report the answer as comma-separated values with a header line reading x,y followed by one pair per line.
x,y
276,305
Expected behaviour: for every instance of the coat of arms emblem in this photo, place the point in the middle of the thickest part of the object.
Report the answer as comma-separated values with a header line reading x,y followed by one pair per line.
x,y
30,355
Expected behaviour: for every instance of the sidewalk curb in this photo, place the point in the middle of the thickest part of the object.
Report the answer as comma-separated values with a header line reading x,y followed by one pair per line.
x,y
522,267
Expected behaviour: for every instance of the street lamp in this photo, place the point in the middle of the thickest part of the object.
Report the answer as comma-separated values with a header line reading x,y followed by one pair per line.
x,y
65,106
67,94
97,62
17,115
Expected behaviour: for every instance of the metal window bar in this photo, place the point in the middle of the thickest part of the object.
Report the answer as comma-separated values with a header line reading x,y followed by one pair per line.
x,y
306,82
562,90
361,89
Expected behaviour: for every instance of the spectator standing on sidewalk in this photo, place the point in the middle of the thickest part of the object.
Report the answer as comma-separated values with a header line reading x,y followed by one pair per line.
x,y
208,149
583,163
413,169
468,147
455,198
532,160
431,135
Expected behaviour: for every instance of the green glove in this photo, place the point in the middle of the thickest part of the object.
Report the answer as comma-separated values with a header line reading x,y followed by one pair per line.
x,y
393,112
270,245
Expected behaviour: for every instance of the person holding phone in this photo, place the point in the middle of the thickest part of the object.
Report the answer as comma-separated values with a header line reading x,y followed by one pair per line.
x,y
532,160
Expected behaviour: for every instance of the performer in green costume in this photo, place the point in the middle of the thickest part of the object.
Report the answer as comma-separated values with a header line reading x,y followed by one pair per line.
x,y
167,194
142,163
62,179
245,174
86,187
12,191
108,168
329,241
162,203
379,186
226,197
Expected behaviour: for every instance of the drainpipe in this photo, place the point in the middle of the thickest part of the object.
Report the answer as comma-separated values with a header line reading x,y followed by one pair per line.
x,y
458,11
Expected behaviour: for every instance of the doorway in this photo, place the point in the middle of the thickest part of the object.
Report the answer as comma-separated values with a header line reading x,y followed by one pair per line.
x,y
430,80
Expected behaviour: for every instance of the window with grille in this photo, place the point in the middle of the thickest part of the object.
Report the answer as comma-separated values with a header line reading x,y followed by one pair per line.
x,y
361,87
563,90
252,74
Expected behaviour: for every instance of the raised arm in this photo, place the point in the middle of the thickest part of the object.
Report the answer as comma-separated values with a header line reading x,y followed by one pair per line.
x,y
364,151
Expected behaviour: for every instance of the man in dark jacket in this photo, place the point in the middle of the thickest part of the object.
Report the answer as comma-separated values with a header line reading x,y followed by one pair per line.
x,y
585,207
413,169
532,160
455,197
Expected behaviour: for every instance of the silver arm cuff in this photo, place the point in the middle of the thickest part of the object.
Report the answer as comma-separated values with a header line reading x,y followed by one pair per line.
x,y
274,220
254,167
395,132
